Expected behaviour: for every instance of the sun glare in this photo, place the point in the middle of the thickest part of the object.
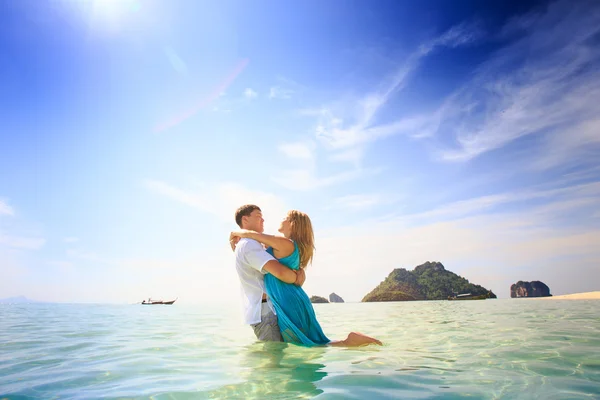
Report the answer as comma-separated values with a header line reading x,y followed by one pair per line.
x,y
108,16
113,13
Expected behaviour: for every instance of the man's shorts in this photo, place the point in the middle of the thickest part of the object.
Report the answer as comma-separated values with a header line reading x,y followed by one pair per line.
x,y
267,329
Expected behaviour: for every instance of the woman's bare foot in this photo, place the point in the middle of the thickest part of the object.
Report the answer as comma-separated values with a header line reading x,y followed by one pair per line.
x,y
356,339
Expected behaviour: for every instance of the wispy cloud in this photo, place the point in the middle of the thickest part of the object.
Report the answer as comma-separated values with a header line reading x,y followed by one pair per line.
x,y
344,127
19,238
182,196
223,110
354,123
358,202
279,92
488,243
546,83
526,236
5,209
85,255
20,242
300,150
306,179
65,266
285,89
306,176
223,199
353,156
554,199
250,94
71,239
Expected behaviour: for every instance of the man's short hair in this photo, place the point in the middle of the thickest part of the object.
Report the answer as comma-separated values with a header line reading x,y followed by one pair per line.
x,y
244,211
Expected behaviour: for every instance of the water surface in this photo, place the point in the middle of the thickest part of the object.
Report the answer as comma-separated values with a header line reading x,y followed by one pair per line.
x,y
489,349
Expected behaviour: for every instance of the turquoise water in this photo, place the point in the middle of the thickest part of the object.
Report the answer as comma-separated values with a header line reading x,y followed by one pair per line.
x,y
490,349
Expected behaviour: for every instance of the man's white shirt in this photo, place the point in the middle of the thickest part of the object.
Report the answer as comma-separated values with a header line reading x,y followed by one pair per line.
x,y
250,258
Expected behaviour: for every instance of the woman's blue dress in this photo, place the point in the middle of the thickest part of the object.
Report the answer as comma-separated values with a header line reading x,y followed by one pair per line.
x,y
295,312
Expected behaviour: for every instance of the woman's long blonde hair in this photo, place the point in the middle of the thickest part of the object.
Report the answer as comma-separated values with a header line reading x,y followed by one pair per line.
x,y
303,235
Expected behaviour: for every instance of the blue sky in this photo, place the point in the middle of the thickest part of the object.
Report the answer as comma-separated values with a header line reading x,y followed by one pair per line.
x,y
459,132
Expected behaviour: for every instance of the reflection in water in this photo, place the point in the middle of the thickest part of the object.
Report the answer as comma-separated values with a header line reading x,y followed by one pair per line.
x,y
275,370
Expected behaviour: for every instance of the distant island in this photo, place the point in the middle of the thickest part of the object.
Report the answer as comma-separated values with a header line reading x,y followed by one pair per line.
x,y
428,281
529,289
17,300
318,299
334,298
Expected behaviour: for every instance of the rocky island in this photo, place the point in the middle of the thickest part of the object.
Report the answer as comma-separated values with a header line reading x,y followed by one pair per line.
x,y
318,299
529,289
429,281
334,298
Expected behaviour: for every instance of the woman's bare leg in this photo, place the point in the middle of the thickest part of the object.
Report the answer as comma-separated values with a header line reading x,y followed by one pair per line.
x,y
355,339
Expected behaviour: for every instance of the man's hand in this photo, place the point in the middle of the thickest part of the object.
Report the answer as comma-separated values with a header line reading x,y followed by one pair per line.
x,y
300,277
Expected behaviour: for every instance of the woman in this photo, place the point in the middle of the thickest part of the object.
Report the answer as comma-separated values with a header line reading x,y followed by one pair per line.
x,y
295,313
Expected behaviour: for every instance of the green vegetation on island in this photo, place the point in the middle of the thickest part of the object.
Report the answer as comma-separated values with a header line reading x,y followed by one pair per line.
x,y
429,281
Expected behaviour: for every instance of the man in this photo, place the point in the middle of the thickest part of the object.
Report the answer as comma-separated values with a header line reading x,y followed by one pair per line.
x,y
252,262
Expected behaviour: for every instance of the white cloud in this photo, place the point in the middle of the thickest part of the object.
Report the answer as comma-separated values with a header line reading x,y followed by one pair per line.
x,y
353,156
494,250
353,123
546,83
279,92
71,239
345,126
221,110
491,245
64,266
306,179
575,145
18,239
5,209
561,197
250,94
300,150
182,196
223,199
19,242
285,89
85,255
358,202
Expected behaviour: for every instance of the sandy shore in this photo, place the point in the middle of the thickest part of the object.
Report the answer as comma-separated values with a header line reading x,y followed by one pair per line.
x,y
574,296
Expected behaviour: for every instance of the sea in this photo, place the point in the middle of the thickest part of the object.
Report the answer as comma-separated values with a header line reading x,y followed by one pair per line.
x,y
485,349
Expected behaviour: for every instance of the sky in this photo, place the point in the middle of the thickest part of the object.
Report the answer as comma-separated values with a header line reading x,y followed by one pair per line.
x,y
462,132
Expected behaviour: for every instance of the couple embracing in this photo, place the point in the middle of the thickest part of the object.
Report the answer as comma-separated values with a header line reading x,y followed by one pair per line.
x,y
275,305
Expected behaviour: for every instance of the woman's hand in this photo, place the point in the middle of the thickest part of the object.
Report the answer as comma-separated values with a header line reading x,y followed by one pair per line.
x,y
233,241
235,236
241,233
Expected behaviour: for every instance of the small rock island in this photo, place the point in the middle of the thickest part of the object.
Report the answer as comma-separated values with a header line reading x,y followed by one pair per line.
x,y
529,289
334,298
429,281
318,299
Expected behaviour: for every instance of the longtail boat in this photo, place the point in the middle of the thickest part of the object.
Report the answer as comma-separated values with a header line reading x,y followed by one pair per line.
x,y
154,302
469,296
